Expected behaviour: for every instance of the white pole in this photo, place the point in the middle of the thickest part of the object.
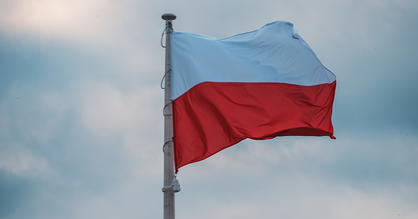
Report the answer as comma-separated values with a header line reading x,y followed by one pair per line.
x,y
168,126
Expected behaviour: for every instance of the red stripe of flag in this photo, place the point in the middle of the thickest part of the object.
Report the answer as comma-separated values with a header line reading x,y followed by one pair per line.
x,y
213,116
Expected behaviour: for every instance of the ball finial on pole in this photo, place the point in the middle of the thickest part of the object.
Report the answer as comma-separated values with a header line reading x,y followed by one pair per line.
x,y
168,16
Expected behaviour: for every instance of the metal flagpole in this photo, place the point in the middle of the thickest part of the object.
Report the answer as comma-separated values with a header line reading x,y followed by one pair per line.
x,y
170,182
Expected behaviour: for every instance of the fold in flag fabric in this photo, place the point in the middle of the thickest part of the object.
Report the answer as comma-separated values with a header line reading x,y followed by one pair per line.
x,y
258,85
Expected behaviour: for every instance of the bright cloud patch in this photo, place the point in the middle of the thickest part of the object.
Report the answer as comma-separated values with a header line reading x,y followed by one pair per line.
x,y
50,18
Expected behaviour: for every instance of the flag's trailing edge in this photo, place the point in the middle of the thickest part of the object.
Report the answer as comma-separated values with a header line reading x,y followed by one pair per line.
x,y
259,85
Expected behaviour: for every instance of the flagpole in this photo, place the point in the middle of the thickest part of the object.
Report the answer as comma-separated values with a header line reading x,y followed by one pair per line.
x,y
168,125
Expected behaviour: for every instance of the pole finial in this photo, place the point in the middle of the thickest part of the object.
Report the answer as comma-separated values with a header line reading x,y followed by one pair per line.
x,y
168,16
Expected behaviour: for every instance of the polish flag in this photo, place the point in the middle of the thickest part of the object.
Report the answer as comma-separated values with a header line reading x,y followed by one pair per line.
x,y
258,85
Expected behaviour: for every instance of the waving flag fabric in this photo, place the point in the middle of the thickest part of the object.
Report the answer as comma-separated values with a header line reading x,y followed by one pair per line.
x,y
259,85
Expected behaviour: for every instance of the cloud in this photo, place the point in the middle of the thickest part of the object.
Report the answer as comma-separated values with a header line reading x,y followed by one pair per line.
x,y
18,162
48,18
327,178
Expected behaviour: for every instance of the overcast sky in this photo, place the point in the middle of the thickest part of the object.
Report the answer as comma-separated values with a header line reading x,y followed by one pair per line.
x,y
81,124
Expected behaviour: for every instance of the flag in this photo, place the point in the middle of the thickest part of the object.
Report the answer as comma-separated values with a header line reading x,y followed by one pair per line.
x,y
258,85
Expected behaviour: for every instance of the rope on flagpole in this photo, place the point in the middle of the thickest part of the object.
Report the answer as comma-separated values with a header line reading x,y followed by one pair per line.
x,y
162,35
167,114
162,80
165,144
